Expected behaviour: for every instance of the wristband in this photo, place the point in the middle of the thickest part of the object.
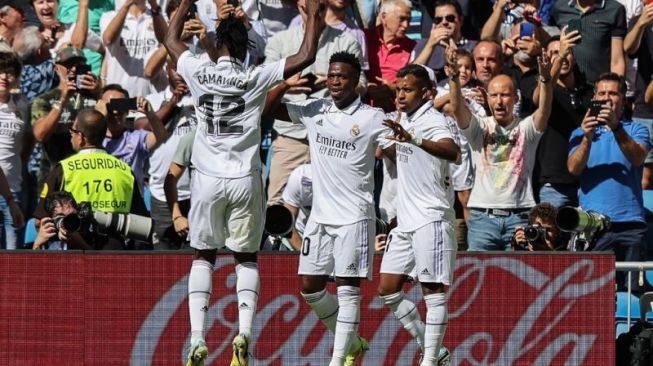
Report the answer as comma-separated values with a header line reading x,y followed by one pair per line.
x,y
416,140
155,11
56,105
544,80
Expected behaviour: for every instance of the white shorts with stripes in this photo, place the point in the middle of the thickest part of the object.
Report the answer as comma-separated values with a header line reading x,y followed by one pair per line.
x,y
428,252
341,250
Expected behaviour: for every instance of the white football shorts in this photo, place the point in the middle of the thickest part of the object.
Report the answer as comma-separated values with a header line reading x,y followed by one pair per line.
x,y
428,253
226,212
340,250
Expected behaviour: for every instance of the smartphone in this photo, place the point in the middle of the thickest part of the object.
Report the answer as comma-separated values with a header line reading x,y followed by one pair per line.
x,y
596,106
312,78
234,3
575,25
526,29
122,104
192,11
81,69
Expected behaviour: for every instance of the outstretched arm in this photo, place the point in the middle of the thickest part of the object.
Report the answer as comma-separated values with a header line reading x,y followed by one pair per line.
x,y
315,23
173,42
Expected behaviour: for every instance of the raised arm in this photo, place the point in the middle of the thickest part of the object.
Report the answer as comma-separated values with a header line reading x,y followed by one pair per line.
x,y
112,33
158,21
273,106
545,84
80,31
315,23
492,26
460,110
179,220
173,42
577,160
159,133
567,42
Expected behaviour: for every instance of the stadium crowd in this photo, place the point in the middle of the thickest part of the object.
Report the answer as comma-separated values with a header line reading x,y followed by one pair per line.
x,y
521,144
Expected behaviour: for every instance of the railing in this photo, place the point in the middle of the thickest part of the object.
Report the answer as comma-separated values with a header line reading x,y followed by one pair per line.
x,y
630,267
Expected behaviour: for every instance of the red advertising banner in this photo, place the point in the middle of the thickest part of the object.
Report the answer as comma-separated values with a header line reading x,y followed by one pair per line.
x,y
116,309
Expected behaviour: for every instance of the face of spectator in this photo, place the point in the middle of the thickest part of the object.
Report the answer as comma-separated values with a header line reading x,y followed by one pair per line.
x,y
466,68
11,18
567,64
114,118
341,83
609,90
551,234
502,97
338,4
8,81
411,94
487,61
446,17
46,11
64,208
396,22
76,136
71,66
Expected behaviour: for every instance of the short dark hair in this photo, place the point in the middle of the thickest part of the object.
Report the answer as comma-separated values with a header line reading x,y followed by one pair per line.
x,y
551,40
58,198
545,211
419,72
231,33
93,125
611,76
461,52
172,6
454,3
9,61
346,58
495,43
115,87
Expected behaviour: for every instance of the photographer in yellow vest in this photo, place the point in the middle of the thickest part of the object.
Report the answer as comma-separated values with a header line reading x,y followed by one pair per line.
x,y
94,175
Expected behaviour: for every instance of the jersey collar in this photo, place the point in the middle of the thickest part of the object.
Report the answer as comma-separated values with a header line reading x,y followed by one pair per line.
x,y
420,111
90,150
350,109
230,60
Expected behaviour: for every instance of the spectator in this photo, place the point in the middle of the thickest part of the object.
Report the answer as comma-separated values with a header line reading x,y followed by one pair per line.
x,y
298,199
38,74
129,145
275,15
129,37
639,44
607,152
570,100
470,87
290,148
12,18
602,26
542,218
53,235
179,205
505,147
505,15
53,112
174,108
389,51
15,144
95,176
447,24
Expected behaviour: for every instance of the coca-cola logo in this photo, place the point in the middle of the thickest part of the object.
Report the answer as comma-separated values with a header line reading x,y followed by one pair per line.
x,y
535,329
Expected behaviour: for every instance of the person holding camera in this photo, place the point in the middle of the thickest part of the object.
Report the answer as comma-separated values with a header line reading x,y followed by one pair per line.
x,y
607,152
541,233
54,111
59,230
93,175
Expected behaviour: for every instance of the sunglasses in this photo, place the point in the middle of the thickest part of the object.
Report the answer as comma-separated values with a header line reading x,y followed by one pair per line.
x,y
74,131
450,18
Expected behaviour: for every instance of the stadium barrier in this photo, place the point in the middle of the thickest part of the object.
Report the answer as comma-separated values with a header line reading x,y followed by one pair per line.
x,y
131,309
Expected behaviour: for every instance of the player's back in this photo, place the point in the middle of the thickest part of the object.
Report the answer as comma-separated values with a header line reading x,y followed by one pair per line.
x,y
229,99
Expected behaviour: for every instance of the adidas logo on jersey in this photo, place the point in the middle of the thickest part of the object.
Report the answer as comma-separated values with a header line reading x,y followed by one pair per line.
x,y
319,122
425,271
205,309
244,306
352,268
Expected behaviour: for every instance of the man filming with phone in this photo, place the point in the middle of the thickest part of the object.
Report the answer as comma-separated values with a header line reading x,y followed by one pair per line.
x,y
607,153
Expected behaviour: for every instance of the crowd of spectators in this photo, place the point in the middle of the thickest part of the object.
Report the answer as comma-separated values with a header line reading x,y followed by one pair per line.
x,y
523,142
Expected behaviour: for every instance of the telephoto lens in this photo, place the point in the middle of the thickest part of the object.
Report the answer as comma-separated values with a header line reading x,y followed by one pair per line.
x,y
70,222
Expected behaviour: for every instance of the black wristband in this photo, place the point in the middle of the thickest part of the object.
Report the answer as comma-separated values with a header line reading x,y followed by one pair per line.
x,y
619,127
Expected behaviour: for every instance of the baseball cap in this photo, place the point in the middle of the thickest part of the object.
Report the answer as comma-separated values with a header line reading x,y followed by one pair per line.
x,y
12,3
68,53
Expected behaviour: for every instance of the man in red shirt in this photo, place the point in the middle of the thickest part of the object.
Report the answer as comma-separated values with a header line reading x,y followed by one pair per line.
x,y
389,51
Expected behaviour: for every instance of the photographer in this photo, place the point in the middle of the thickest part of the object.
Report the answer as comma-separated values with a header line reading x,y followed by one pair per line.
x,y
55,232
541,232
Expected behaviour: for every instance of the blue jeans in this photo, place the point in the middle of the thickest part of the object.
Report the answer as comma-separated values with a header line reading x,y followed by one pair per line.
x,y
559,194
12,237
490,232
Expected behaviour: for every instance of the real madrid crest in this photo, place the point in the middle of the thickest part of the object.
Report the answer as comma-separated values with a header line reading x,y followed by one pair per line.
x,y
355,130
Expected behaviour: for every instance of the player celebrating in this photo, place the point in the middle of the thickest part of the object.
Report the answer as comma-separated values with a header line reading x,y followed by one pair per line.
x,y
424,238
343,134
226,199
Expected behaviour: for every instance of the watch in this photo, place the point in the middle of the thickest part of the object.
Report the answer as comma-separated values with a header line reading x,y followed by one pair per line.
x,y
544,80
56,105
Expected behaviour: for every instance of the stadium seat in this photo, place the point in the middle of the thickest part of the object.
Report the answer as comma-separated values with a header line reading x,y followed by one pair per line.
x,y
645,304
30,231
622,327
622,307
648,200
146,197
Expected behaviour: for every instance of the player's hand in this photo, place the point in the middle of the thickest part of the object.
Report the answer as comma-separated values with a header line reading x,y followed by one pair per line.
x,y
316,11
240,14
225,11
196,28
297,85
379,242
181,89
181,226
399,133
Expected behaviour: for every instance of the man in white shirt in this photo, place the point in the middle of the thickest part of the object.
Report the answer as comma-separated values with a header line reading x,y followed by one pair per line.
x,y
226,203
343,134
298,199
506,146
423,241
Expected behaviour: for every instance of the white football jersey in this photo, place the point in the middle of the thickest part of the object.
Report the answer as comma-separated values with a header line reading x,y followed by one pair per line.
x,y
342,145
299,193
424,190
229,99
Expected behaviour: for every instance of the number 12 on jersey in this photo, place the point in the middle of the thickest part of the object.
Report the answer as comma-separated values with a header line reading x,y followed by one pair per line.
x,y
222,112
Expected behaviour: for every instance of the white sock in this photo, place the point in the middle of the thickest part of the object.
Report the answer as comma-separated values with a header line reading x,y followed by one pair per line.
x,y
325,306
436,325
247,286
199,292
348,319
406,312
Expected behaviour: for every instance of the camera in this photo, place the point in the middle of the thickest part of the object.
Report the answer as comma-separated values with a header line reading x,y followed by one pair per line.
x,y
278,220
70,222
584,226
127,225
535,233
